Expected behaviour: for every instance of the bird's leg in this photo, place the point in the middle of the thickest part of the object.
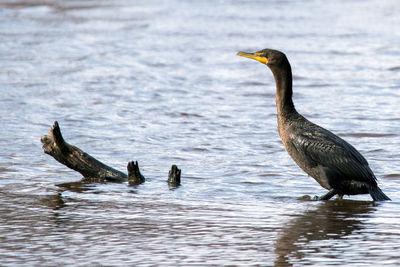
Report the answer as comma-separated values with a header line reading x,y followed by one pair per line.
x,y
327,196
340,196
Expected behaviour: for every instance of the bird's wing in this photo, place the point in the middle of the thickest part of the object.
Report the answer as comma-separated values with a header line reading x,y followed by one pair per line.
x,y
324,148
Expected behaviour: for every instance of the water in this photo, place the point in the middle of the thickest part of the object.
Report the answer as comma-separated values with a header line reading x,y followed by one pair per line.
x,y
160,83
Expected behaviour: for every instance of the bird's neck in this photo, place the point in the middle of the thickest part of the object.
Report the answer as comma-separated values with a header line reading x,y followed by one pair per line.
x,y
283,80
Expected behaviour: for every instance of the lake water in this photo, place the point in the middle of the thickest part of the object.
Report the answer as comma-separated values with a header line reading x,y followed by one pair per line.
x,y
159,82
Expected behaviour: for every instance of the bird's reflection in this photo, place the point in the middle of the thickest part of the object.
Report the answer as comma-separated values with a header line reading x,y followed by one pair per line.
x,y
331,220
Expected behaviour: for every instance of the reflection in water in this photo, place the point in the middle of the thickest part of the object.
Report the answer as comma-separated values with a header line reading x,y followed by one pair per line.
x,y
53,202
80,186
331,220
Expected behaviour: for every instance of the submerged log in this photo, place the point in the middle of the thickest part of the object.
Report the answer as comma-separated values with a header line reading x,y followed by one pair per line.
x,y
80,161
76,159
134,175
174,176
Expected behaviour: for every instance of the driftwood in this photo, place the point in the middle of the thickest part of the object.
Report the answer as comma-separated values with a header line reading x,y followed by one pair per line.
x,y
80,161
174,176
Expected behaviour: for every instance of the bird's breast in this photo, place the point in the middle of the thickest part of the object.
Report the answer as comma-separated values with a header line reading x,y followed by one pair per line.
x,y
287,132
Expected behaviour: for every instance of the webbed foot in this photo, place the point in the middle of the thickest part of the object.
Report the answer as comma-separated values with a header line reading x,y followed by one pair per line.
x,y
327,196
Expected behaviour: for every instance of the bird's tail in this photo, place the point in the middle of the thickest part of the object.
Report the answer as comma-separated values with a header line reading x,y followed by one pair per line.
x,y
377,194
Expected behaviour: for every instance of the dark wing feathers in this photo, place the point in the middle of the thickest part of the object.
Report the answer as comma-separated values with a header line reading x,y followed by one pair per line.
x,y
322,147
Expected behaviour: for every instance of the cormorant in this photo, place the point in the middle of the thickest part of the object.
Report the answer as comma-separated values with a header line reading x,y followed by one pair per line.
x,y
332,162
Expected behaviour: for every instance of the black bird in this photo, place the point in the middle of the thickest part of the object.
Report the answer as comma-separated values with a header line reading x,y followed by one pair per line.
x,y
332,162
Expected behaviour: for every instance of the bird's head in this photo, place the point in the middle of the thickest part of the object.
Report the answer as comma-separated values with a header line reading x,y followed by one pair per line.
x,y
268,57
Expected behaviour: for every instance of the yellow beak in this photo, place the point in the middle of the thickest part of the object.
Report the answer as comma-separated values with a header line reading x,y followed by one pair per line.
x,y
255,56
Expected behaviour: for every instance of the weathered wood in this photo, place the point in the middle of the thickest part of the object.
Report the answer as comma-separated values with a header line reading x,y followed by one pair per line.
x,y
174,176
134,175
76,159
80,161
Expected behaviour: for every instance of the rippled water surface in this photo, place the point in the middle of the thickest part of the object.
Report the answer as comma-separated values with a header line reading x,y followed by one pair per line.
x,y
159,82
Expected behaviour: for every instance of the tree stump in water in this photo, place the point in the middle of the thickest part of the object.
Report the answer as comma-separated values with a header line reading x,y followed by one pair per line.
x,y
134,175
174,176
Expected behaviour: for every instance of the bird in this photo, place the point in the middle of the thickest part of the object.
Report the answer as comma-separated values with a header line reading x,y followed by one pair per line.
x,y
334,163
